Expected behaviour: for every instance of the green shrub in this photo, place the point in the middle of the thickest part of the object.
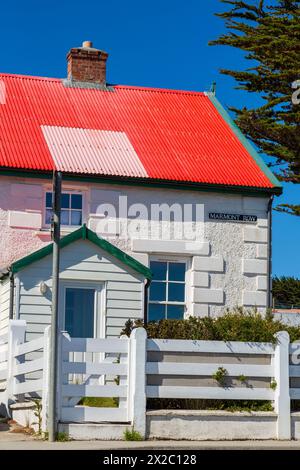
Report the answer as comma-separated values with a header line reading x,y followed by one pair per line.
x,y
238,325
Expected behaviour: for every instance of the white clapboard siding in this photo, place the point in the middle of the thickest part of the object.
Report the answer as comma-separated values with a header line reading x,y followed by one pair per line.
x,y
95,345
214,393
28,386
221,347
81,261
81,414
3,339
4,305
94,390
196,369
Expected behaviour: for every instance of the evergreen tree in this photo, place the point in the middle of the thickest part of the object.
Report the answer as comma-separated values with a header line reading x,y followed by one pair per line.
x,y
286,291
269,33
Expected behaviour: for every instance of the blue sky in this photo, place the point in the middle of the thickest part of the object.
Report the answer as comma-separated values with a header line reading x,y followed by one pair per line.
x,y
151,43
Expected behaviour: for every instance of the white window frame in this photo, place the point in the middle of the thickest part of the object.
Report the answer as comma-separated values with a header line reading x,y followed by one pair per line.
x,y
174,259
68,190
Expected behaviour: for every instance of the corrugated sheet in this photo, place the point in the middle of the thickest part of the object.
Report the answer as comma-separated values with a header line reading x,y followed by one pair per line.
x,y
92,151
176,135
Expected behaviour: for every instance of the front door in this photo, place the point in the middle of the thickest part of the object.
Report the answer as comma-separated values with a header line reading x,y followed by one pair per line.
x,y
83,315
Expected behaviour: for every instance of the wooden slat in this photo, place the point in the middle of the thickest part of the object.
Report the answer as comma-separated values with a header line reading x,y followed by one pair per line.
x,y
221,347
94,390
295,393
215,393
3,356
114,345
30,366
31,346
4,338
28,386
294,371
192,369
80,414
94,368
3,374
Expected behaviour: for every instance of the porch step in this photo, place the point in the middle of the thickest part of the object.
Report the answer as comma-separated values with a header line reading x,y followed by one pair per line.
x,y
94,431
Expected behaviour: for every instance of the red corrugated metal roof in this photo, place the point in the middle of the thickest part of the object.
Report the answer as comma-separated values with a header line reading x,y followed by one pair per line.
x,y
172,135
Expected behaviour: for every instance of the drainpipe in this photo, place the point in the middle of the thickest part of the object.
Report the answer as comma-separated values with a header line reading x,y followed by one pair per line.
x,y
269,267
147,284
11,296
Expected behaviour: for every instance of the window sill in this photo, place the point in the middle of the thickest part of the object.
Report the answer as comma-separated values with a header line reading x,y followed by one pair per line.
x,y
45,232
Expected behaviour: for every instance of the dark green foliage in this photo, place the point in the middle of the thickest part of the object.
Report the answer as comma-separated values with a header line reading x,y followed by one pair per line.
x,y
269,34
239,325
225,405
286,291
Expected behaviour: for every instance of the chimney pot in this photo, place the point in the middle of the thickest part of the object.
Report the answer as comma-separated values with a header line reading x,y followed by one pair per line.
x,y
87,44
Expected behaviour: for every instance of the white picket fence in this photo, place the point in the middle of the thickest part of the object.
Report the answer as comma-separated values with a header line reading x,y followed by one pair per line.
x,y
136,368
115,366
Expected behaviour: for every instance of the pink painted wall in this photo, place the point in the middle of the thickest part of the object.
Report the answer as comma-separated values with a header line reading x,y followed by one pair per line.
x,y
18,242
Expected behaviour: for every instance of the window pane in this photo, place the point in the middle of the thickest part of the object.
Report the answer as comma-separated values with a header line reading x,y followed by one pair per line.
x,y
156,312
158,291
65,201
75,217
79,314
48,216
76,201
175,312
177,271
48,199
176,292
159,270
65,217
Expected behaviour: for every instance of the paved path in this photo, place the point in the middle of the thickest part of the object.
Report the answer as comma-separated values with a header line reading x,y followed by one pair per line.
x,y
17,442
12,438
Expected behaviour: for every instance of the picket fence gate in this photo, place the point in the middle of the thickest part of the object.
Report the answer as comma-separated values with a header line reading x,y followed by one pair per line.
x,y
132,370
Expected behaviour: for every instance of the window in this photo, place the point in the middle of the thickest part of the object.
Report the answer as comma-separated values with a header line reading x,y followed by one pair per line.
x,y
167,290
71,208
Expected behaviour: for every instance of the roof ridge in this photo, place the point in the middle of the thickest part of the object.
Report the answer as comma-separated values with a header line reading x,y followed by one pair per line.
x,y
160,90
119,86
30,77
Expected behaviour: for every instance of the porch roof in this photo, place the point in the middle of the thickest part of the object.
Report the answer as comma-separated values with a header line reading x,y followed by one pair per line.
x,y
85,234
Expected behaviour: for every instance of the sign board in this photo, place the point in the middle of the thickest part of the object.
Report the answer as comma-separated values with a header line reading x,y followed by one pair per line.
x,y
232,217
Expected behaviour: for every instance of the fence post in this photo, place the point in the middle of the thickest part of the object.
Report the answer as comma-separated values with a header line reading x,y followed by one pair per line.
x,y
137,380
16,335
46,372
282,391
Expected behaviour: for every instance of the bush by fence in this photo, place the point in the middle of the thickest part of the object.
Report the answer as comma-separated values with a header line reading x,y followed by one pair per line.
x,y
238,325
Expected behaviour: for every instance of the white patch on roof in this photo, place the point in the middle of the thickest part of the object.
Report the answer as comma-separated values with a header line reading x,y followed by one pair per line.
x,y
2,92
92,151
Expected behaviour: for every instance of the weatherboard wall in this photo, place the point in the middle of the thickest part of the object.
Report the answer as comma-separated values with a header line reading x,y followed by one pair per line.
x,y
84,263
